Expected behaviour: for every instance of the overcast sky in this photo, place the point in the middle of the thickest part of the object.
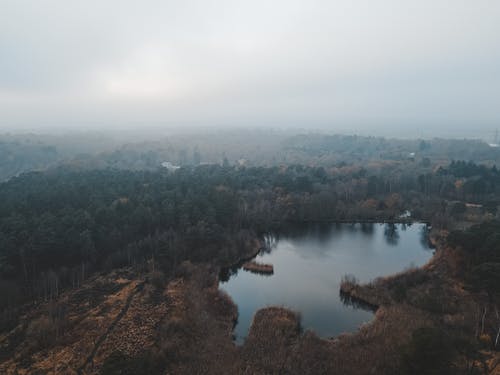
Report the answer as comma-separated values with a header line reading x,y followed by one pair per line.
x,y
350,64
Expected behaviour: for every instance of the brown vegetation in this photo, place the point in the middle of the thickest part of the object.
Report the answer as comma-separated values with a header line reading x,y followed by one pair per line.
x,y
253,266
124,319
184,326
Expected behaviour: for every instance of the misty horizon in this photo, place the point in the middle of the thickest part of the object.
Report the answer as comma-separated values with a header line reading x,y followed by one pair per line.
x,y
138,132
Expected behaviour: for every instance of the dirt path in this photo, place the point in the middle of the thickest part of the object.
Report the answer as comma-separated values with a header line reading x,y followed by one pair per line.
x,y
121,314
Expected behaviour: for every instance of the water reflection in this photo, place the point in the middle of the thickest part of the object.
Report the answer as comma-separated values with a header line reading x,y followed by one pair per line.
x,y
355,303
391,233
309,263
368,228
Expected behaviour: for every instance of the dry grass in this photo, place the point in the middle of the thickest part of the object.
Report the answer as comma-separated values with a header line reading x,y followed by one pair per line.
x,y
189,322
255,267
86,321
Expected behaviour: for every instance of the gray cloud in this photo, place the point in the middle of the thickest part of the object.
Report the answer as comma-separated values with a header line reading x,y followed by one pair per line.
x,y
340,64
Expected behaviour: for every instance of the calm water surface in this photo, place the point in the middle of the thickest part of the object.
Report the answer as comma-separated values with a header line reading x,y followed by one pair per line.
x,y
308,267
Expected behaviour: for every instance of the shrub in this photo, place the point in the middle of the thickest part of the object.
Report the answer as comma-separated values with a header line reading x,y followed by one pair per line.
x,y
430,351
157,279
429,303
42,331
119,363
349,280
399,292
486,276
485,341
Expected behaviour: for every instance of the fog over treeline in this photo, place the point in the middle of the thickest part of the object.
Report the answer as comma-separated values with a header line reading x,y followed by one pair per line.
x,y
133,132
158,148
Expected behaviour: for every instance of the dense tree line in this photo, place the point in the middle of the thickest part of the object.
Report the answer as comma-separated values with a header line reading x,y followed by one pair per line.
x,y
59,226
352,148
18,157
147,151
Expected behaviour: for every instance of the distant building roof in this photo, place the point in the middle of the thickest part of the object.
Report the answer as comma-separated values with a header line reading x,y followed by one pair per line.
x,y
169,166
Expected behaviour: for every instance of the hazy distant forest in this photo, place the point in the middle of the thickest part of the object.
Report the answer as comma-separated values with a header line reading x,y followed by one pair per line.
x,y
29,152
73,207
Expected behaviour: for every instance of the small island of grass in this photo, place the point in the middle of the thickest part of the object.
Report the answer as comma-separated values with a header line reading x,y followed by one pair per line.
x,y
260,268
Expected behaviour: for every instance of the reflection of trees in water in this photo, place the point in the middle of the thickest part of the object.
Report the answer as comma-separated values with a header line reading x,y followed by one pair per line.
x,y
227,273
391,234
368,228
404,226
270,242
324,232
321,232
356,303
349,227
424,237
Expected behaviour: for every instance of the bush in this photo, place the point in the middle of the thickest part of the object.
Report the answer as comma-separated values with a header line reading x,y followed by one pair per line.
x,y
119,363
42,331
429,303
430,351
485,341
399,292
486,276
157,279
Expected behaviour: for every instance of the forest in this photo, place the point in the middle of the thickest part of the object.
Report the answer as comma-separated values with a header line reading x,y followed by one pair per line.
x,y
68,223
250,147
61,225
249,187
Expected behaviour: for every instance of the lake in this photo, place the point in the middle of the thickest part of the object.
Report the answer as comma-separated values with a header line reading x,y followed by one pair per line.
x,y
309,264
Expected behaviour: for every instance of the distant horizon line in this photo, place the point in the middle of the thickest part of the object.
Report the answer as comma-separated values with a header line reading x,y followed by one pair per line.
x,y
488,136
